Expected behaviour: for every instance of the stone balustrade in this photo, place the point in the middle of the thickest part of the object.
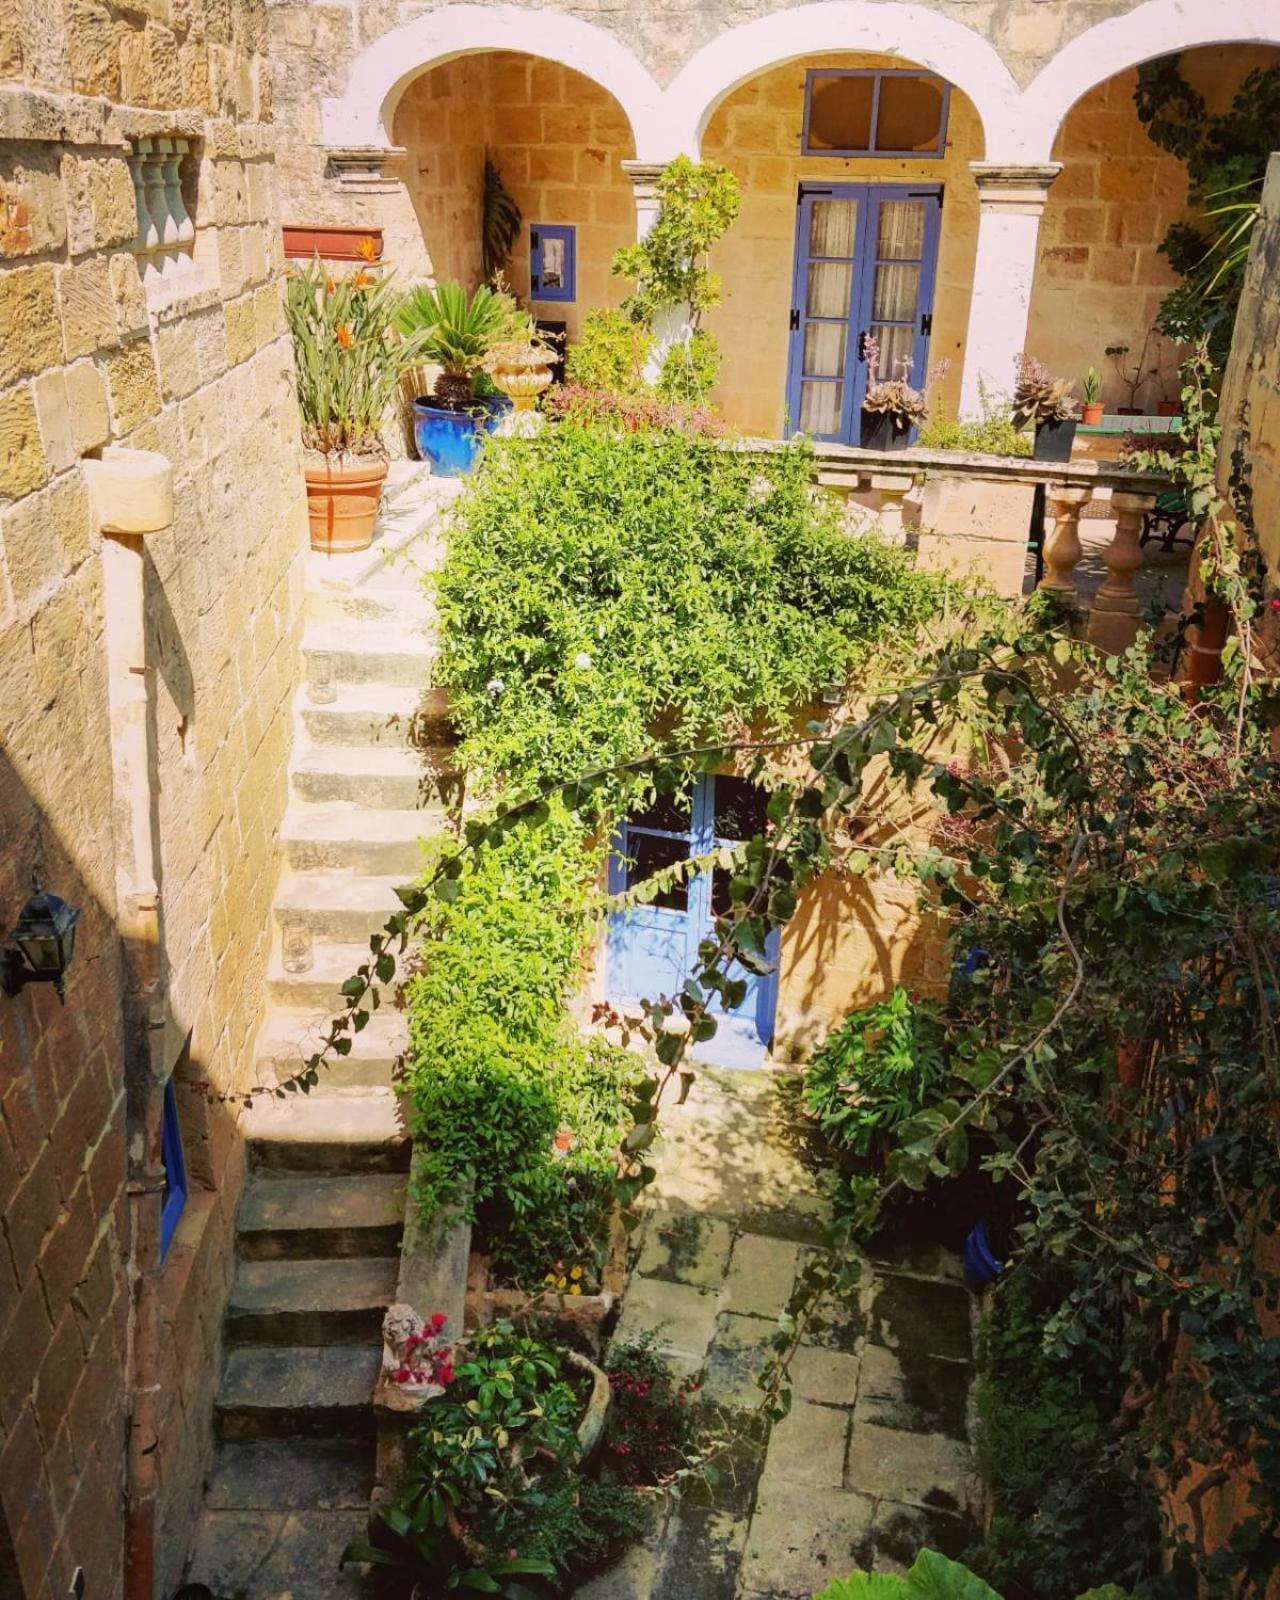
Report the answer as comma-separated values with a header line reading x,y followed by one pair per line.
x,y
976,512
165,241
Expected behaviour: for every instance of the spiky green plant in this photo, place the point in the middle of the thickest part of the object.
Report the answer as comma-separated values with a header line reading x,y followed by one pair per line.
x,y
348,355
456,332
499,221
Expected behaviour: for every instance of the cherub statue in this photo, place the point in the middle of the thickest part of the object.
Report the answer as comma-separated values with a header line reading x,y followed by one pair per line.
x,y
416,1356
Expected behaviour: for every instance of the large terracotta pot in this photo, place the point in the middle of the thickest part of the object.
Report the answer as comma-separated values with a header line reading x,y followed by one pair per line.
x,y
342,501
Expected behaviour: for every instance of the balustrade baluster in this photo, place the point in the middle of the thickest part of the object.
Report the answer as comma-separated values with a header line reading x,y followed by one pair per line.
x,y
1062,548
1113,623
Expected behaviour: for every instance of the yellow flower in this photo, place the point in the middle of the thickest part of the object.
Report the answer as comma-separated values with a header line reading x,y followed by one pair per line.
x,y
550,1278
576,1273
560,1283
575,1288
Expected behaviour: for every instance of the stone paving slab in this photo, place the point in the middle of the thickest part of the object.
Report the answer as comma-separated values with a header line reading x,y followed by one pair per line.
x,y
831,1377
899,1532
761,1275
741,1349
919,1469
930,1319
808,1446
293,1556
802,1537
683,1247
680,1315
913,1393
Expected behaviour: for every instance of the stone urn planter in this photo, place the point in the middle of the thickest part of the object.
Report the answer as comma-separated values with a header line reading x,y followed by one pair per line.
x,y
343,494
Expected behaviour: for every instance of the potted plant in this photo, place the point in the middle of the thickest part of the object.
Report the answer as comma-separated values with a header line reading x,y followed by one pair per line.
x,y
1091,388
457,332
890,409
521,369
1132,376
349,362
1044,401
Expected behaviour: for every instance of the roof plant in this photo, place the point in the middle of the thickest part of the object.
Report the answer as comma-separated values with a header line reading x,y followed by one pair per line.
x,y
456,332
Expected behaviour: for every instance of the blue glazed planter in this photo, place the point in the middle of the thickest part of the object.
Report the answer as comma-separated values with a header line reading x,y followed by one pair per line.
x,y
450,440
980,1264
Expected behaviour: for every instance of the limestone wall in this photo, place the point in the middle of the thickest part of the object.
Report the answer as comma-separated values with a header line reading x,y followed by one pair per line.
x,y
1100,276
86,360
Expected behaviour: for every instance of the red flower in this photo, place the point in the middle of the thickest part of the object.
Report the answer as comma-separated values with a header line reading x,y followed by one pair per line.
x,y
438,1321
402,1374
1274,604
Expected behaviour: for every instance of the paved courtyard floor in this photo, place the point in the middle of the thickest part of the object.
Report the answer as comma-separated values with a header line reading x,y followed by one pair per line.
x,y
872,1461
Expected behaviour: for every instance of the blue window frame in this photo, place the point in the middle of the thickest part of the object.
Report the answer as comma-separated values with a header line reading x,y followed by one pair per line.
x,y
858,112
653,948
866,257
553,261
175,1170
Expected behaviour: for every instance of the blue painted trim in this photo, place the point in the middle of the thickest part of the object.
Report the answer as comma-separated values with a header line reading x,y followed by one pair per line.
x,y
175,1170
869,198
873,150
538,233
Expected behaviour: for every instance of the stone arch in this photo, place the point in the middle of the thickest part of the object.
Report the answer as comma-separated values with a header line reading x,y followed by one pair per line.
x,y
1155,28
379,76
921,36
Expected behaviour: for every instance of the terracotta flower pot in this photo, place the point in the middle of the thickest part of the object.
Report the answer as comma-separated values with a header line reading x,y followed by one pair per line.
x,y
1091,415
1168,408
342,501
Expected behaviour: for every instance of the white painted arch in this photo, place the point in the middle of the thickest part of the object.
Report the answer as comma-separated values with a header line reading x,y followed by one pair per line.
x,y
1154,28
918,34
363,114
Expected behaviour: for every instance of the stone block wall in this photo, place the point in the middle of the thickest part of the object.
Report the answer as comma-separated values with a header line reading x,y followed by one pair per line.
x,y
90,357
1100,277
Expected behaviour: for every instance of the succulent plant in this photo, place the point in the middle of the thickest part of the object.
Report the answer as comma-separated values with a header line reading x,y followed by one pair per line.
x,y
894,395
1039,397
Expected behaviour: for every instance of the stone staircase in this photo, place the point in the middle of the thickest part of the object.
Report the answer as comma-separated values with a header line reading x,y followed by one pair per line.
x,y
319,1226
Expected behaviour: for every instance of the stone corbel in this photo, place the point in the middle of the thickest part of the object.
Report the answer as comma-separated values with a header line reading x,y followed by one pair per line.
x,y
1021,190
363,169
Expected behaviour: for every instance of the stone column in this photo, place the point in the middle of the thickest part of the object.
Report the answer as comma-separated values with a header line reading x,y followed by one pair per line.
x,y
1010,204
673,326
893,488
1062,549
1113,623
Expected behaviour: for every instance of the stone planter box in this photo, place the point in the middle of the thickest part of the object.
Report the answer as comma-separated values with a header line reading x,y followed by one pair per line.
x,y
583,1315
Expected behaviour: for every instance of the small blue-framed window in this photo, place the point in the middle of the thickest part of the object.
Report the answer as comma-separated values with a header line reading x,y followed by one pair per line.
x,y
856,112
175,1169
553,261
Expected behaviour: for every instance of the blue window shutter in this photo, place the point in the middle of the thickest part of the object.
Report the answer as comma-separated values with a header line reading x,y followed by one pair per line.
x,y
553,253
175,1170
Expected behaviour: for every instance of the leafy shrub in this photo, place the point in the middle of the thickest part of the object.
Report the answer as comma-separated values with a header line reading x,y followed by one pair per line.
x,y
879,1067
1068,1507
689,369
653,1419
991,434
609,354
621,413
496,1067
932,1577
645,576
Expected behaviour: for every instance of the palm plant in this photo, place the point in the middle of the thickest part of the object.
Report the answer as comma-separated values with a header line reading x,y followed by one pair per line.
x,y
456,332
349,357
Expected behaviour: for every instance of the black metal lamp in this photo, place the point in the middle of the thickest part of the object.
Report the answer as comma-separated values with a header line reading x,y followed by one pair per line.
x,y
41,946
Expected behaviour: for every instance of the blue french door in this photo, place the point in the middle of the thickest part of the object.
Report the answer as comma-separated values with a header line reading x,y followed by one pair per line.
x,y
866,257
653,948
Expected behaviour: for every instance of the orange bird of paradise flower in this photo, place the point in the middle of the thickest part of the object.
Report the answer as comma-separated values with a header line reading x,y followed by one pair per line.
x,y
344,336
367,249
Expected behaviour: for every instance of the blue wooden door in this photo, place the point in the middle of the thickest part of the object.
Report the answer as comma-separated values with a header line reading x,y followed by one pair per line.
x,y
652,948
866,256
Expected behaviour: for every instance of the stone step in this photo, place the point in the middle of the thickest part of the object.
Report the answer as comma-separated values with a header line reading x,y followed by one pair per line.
x,y
315,1302
306,1475
341,907
403,601
387,715
340,1217
298,1392
318,990
395,779
370,651
328,1132
289,1037
341,837
264,1554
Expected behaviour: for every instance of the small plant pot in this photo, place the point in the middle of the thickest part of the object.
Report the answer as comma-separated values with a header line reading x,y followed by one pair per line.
x,y
879,430
1091,415
1130,411
1168,408
343,494
451,440
1054,440
980,1264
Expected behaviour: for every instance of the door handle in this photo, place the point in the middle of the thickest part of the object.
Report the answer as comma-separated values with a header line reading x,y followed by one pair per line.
x,y
926,323
795,320
862,345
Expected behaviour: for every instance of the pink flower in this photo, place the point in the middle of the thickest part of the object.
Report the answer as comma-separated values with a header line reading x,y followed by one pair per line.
x,y
1274,604
438,1321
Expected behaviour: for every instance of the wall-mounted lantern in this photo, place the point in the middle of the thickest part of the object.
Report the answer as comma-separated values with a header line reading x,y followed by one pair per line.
x,y
41,945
